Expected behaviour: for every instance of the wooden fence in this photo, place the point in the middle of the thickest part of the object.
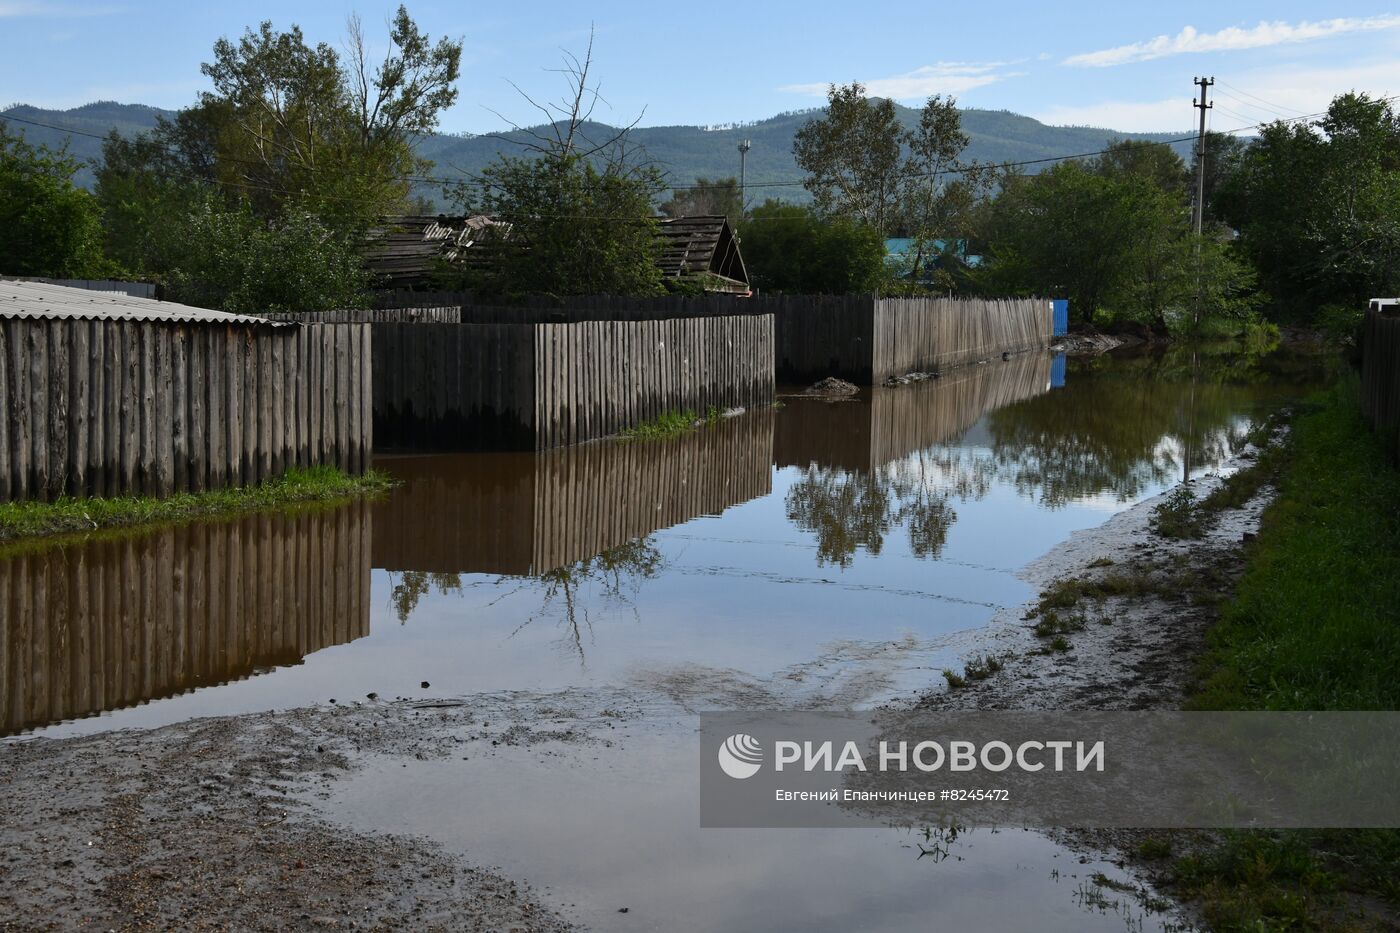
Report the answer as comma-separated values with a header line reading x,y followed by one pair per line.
x,y
118,407
535,386
528,513
857,337
936,334
899,421
120,621
1380,371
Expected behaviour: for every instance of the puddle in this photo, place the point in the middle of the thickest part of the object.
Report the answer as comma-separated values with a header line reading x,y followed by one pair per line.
x,y
825,554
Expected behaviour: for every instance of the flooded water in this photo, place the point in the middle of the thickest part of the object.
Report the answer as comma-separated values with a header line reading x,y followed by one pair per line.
x,y
825,554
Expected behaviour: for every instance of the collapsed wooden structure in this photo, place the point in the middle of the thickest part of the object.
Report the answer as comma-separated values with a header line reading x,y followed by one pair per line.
x,y
700,252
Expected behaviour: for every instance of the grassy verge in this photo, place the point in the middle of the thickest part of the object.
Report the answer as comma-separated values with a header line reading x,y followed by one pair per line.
x,y
1315,621
20,520
1314,624
670,424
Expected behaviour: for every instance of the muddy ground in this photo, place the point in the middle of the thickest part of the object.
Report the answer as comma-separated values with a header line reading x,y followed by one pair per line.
x,y
211,824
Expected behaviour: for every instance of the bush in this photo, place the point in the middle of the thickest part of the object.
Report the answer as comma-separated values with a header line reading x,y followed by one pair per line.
x,y
232,261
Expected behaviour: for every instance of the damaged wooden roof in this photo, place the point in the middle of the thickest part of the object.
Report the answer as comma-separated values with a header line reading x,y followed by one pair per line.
x,y
408,249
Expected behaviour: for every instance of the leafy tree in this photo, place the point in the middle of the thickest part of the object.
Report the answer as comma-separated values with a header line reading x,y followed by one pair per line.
x,y
707,196
1070,232
788,248
147,188
1154,162
294,124
1224,153
48,227
861,163
1318,206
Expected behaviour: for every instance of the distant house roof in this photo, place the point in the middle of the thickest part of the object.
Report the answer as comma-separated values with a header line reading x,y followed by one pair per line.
x,y
407,249
41,301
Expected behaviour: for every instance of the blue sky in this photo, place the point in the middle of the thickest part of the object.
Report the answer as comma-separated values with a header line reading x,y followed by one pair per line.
x,y
1122,65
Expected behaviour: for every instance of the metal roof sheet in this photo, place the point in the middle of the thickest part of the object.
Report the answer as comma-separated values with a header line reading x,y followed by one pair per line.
x,y
39,300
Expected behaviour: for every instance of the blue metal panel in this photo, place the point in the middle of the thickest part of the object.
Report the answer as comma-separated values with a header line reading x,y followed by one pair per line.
x,y
1061,306
1057,371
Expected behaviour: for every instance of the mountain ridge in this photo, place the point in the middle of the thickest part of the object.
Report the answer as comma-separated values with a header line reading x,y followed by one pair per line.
x,y
683,151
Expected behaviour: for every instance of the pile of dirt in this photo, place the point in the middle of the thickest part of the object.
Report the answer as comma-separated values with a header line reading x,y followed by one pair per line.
x,y
833,387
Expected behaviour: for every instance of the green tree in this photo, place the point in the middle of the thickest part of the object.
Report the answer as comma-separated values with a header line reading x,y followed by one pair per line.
x,y
295,124
232,260
1154,162
853,157
578,212
1317,207
708,196
862,164
48,227
1224,153
789,248
574,229
1070,232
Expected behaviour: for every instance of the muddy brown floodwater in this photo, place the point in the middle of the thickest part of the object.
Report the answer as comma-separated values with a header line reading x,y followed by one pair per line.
x,y
538,631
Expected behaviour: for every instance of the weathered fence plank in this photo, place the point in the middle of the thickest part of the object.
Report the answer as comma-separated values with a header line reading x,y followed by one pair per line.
x,y
117,407
1380,372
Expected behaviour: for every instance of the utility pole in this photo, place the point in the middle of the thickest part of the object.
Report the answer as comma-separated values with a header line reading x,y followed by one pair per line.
x,y
744,146
1200,211
1202,106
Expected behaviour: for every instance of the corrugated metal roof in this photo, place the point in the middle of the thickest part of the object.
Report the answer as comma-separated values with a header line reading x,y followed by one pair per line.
x,y
54,302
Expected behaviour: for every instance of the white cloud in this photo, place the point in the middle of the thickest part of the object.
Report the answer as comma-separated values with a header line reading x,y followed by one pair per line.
x,y
1162,116
14,10
1256,96
1232,39
940,78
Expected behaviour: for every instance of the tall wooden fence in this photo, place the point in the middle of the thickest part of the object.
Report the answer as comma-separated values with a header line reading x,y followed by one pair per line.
x,y
535,386
114,407
857,337
529,513
1380,371
121,621
936,334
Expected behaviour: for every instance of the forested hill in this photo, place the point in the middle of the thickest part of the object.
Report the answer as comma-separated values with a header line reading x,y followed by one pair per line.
x,y
683,151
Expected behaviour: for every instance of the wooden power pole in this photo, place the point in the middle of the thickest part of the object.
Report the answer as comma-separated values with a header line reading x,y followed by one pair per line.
x,y
1199,214
1202,106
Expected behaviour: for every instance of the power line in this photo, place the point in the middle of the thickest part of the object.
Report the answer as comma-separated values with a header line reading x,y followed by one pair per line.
x,y
1260,99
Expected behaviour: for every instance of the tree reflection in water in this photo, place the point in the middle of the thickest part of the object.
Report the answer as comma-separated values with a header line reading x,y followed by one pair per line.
x,y
850,510
575,593
1121,426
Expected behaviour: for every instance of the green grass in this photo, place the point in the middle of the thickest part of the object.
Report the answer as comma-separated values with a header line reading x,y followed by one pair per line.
x,y
1314,624
1315,621
19,520
670,424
